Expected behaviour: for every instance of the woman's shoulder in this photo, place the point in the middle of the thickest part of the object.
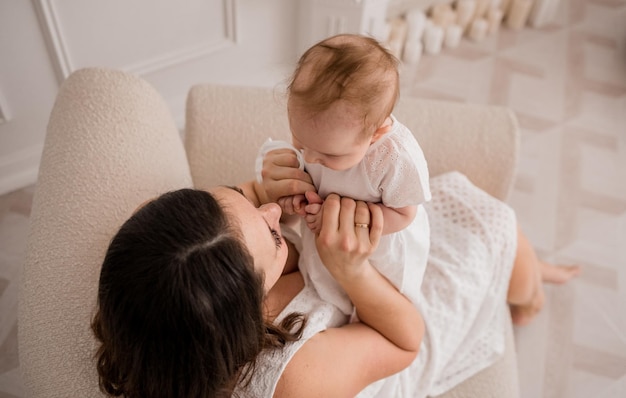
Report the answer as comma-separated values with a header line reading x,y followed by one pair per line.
x,y
271,363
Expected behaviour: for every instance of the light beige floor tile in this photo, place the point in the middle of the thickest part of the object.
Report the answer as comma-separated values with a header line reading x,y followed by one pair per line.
x,y
11,385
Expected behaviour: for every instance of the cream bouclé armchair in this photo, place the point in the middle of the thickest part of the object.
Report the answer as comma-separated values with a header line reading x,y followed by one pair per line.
x,y
112,143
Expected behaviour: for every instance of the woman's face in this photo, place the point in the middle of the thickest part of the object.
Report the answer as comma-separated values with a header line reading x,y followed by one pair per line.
x,y
260,229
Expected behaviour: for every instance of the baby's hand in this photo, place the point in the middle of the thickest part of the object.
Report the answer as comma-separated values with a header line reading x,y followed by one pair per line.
x,y
293,204
313,217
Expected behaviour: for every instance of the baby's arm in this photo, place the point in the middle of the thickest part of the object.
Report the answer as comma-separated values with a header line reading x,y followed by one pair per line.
x,y
396,219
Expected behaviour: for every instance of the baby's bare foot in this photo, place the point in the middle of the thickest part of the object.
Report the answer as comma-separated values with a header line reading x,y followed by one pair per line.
x,y
522,314
558,274
550,273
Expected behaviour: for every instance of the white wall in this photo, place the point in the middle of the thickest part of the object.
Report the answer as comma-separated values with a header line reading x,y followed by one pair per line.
x,y
171,44
28,86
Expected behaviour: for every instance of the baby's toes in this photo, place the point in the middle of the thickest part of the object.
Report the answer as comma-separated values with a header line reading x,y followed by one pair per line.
x,y
558,274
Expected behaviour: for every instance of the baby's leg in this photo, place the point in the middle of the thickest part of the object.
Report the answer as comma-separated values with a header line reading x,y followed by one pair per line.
x,y
525,295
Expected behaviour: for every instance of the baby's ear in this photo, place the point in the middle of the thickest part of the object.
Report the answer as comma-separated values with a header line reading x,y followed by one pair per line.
x,y
382,130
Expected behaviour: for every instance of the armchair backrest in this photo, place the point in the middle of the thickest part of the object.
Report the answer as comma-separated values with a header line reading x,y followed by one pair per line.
x,y
479,140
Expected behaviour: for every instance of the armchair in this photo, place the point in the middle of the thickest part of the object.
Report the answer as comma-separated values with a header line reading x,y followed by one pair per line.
x,y
111,144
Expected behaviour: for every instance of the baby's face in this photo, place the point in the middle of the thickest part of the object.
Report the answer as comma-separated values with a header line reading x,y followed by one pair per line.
x,y
333,138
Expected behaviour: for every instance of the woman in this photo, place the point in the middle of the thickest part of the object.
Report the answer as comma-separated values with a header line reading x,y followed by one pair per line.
x,y
200,296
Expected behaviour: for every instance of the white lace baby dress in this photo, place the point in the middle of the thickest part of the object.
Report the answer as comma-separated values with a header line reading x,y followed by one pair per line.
x,y
394,172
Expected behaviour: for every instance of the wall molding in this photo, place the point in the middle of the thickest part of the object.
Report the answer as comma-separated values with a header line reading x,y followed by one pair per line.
x,y
64,65
398,7
19,169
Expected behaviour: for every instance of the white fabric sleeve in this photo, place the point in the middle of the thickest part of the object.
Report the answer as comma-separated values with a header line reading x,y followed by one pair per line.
x,y
268,146
398,168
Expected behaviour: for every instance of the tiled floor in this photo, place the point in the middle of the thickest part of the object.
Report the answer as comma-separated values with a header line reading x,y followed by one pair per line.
x,y
567,84
14,212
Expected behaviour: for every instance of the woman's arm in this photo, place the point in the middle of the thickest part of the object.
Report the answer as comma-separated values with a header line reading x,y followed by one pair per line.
x,y
255,193
342,361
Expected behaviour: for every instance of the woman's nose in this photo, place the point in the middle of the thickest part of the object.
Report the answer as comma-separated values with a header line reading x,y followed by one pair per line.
x,y
271,211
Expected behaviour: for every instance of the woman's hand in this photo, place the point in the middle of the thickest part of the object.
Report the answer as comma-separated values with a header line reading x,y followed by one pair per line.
x,y
350,232
283,178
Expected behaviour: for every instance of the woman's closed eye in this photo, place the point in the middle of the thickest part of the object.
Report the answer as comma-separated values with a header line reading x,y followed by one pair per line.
x,y
277,238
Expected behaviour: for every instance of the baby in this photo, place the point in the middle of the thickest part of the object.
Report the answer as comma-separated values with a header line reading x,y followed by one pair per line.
x,y
341,97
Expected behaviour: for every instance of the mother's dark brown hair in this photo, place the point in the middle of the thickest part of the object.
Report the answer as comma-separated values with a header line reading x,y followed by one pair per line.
x,y
180,307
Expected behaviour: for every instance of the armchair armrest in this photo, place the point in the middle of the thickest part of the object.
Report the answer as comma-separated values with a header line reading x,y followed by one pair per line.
x,y
111,144
481,141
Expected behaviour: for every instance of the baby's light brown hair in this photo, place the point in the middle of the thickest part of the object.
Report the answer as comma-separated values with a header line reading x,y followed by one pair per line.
x,y
354,68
